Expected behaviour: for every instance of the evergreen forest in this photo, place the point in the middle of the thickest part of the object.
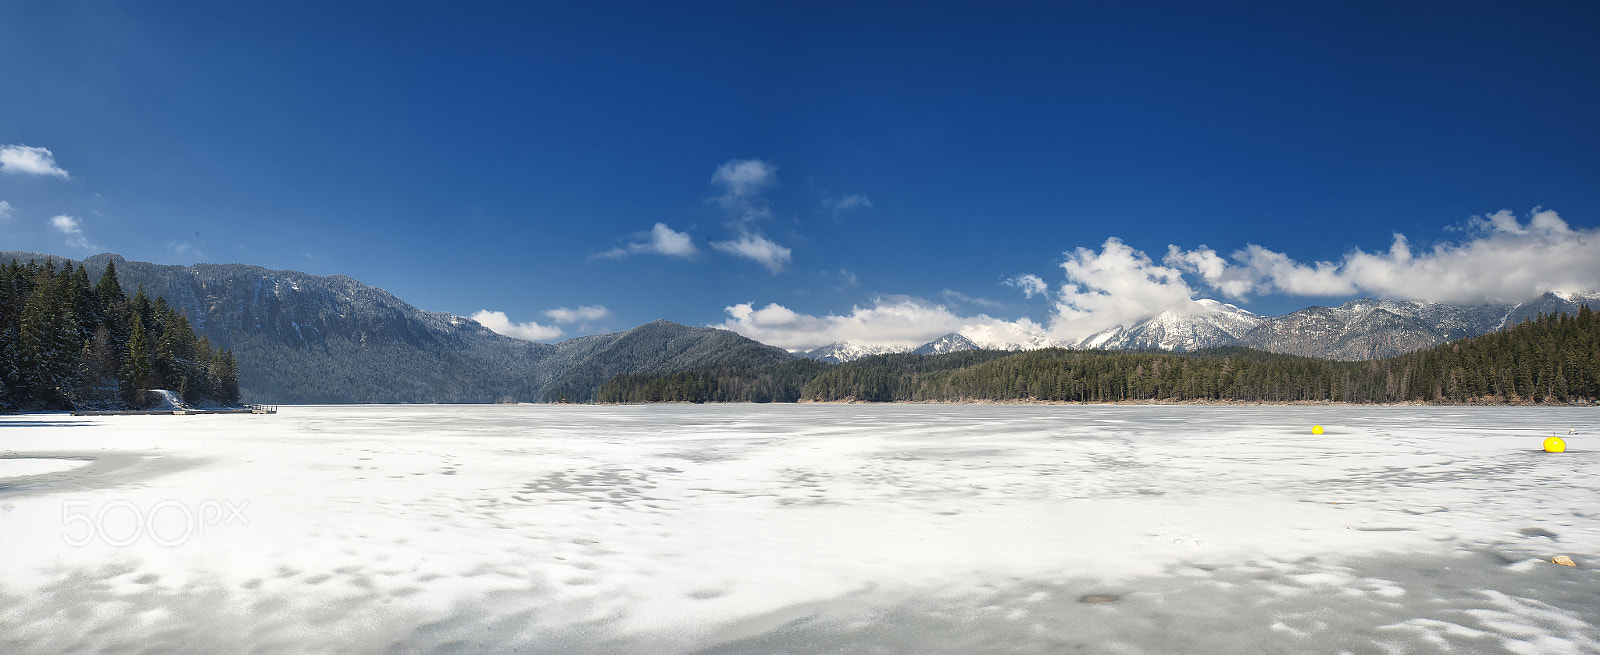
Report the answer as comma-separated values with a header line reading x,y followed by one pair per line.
x,y
69,343
1552,359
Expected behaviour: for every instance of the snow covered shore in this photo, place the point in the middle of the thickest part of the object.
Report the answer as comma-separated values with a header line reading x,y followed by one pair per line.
x,y
803,528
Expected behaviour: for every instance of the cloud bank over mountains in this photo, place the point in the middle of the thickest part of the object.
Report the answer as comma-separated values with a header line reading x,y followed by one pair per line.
x,y
899,321
1507,261
531,331
1503,259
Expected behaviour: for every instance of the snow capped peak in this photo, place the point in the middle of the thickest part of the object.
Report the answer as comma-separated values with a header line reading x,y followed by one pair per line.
x,y
1363,328
1007,337
949,343
1219,306
1576,295
1218,324
847,351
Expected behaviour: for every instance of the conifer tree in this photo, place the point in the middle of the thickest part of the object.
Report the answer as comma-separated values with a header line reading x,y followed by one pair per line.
x,y
48,345
228,379
64,342
136,371
85,305
98,368
108,288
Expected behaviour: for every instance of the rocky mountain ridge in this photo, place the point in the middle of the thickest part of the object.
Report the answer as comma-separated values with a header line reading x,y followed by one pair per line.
x,y
1366,328
302,338
1361,329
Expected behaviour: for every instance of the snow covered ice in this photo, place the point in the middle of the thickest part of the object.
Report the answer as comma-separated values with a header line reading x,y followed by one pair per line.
x,y
802,528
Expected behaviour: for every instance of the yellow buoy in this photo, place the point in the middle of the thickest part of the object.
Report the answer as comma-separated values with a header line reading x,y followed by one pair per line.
x,y
1555,445
1316,429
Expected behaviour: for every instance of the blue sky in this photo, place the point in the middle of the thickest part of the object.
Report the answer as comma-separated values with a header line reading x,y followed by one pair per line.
x,y
806,172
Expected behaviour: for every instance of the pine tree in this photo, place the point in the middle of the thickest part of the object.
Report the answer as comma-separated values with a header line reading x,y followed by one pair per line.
x,y
228,379
64,342
48,346
109,289
136,371
174,348
98,368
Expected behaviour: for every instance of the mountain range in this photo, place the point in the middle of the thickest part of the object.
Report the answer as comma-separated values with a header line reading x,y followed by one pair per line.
x,y
1366,328
302,338
1362,329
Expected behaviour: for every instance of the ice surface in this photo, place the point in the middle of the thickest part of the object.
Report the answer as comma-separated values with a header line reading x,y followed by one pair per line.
x,y
803,528
18,467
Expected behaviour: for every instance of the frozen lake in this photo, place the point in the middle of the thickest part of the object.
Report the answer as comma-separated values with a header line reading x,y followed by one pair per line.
x,y
802,529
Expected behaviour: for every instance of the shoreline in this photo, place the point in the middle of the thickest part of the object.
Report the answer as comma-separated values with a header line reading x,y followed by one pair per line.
x,y
1219,403
272,409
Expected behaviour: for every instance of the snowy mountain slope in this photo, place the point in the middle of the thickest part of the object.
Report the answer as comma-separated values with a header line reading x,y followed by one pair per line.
x,y
302,338
949,343
849,351
1370,328
1215,324
1563,302
1366,328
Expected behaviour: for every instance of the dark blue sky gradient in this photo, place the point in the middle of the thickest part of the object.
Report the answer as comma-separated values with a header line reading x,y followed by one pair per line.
x,y
479,156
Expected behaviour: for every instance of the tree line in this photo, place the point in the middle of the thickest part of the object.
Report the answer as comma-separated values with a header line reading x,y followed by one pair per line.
x,y
67,343
1551,359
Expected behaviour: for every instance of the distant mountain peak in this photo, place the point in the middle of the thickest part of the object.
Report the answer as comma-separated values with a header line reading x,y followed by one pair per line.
x,y
840,352
302,338
949,343
1363,328
848,351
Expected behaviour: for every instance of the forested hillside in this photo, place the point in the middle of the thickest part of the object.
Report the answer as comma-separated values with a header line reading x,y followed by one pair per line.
x,y
291,337
302,338
67,343
1554,359
659,348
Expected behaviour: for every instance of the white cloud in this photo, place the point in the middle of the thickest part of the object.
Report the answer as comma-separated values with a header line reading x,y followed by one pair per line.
x,y
1211,268
1117,286
744,178
73,228
892,320
186,249
1030,284
531,331
583,313
957,296
741,182
661,240
847,280
1507,261
851,201
758,248
5,210
25,160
